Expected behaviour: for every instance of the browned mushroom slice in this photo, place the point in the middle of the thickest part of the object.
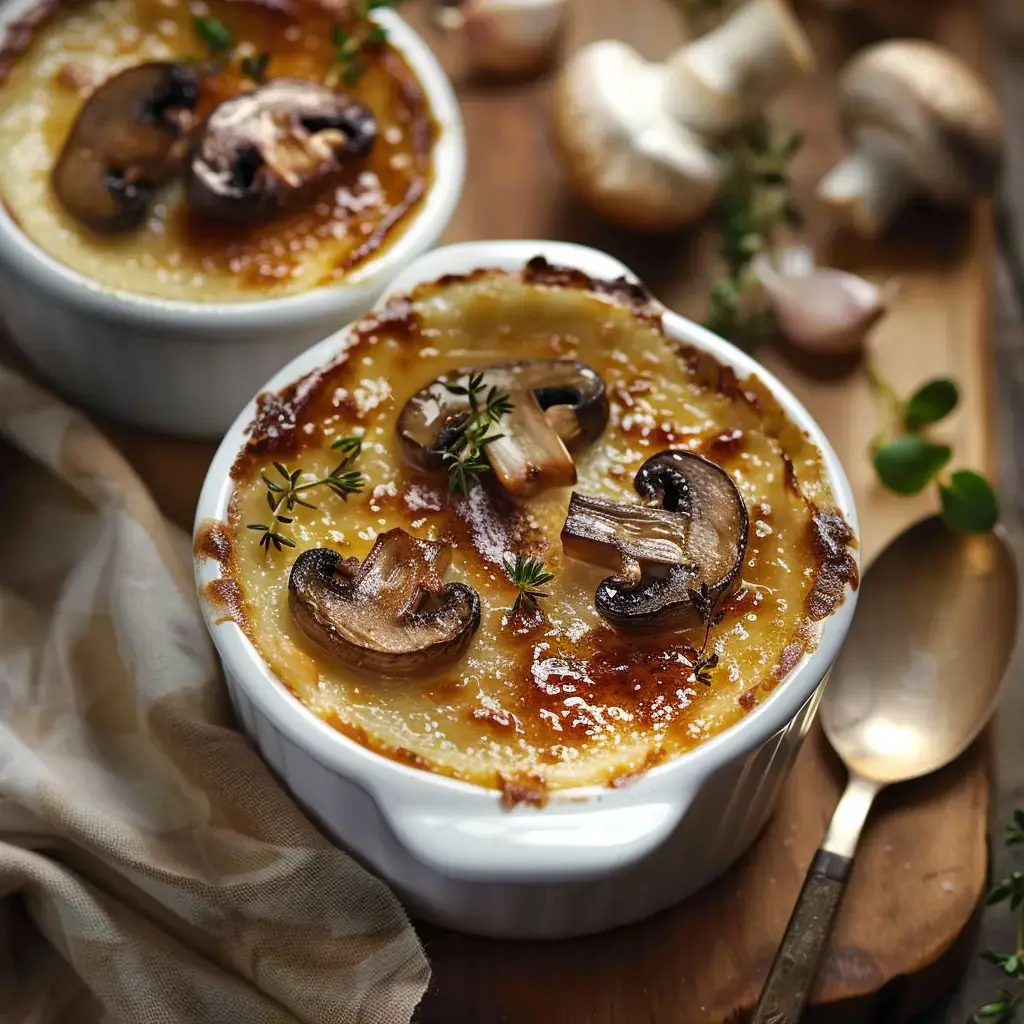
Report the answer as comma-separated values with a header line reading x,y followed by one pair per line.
x,y
392,613
692,533
558,406
130,136
272,147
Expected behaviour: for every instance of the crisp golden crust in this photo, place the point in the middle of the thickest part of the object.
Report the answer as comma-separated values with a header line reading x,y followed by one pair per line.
x,y
52,59
554,698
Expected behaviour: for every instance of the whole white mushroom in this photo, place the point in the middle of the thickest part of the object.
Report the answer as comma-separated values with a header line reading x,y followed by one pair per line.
x,y
637,138
919,121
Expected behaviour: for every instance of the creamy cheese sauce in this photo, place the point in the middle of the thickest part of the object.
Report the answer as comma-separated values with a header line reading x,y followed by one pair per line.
x,y
172,254
558,699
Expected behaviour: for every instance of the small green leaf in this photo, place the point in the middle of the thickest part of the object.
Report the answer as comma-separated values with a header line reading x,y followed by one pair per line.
x,y
999,892
255,67
969,504
931,402
215,35
907,464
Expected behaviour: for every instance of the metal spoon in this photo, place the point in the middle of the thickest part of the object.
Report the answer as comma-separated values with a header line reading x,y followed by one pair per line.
x,y
916,681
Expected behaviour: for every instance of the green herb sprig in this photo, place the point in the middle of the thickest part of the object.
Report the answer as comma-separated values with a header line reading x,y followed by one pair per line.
x,y
464,455
221,45
285,494
527,574
705,663
1004,1007
214,35
754,202
907,461
255,66
271,536
350,43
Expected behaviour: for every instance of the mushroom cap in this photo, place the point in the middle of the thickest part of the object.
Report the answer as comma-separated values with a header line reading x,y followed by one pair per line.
x,y
392,613
556,406
261,150
924,109
624,155
130,135
687,539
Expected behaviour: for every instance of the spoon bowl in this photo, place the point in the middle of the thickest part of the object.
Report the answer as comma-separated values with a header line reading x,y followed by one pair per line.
x,y
923,665
917,680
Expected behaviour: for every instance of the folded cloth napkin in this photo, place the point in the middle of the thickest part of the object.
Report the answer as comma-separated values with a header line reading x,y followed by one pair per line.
x,y
151,869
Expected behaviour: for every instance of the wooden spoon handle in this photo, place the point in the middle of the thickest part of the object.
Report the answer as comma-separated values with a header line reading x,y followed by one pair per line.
x,y
791,978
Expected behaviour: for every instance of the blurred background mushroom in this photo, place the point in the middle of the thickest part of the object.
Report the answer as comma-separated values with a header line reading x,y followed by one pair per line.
x,y
637,138
503,37
919,122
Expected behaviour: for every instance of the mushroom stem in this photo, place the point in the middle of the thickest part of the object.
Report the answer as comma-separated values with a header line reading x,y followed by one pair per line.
x,y
867,188
723,79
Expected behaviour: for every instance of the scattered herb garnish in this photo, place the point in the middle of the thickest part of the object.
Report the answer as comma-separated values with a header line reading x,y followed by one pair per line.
x,y
349,43
907,461
271,536
215,35
255,67
1005,1006
753,203
709,618
527,573
284,494
464,454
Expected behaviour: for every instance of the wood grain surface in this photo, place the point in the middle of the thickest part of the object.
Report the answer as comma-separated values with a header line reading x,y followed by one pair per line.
x,y
899,941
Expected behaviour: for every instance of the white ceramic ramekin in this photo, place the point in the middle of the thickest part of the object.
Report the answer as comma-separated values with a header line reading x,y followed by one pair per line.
x,y
592,858
185,368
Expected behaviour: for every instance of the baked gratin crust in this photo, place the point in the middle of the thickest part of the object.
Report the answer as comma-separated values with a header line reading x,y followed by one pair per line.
x,y
556,696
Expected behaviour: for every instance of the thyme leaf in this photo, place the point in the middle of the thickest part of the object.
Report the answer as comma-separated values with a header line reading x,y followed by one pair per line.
x,y
1004,1007
527,574
464,455
286,494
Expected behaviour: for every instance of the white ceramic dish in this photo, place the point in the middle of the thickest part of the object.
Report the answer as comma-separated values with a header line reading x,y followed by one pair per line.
x,y
184,368
592,858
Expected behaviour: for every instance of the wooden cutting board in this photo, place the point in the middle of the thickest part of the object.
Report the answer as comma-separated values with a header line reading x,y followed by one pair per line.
x,y
900,939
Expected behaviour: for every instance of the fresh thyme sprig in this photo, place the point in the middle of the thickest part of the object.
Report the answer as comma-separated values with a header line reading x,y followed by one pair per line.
x,y
907,461
350,43
704,663
753,204
527,574
270,536
285,494
464,454
1005,1006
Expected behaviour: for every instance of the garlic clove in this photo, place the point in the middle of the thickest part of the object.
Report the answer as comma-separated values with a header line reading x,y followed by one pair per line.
x,y
507,37
821,310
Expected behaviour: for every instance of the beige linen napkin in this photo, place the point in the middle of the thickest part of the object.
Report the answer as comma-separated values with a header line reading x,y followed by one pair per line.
x,y
151,869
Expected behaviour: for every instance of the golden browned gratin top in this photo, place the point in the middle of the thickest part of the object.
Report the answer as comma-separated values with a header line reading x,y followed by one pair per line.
x,y
59,55
555,695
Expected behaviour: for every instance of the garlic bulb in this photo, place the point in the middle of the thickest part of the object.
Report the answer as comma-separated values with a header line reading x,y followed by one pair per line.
x,y
821,310
506,37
